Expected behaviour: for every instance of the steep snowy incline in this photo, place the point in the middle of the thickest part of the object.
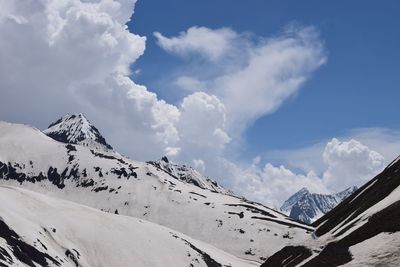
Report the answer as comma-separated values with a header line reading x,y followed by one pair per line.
x,y
363,230
110,182
76,129
37,230
308,207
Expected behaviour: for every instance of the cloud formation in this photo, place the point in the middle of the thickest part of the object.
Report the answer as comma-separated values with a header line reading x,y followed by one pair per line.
x,y
75,56
251,76
348,163
211,44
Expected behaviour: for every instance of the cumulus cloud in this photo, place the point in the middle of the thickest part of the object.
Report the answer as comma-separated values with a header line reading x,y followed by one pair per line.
x,y
211,44
385,141
348,163
202,126
75,56
270,184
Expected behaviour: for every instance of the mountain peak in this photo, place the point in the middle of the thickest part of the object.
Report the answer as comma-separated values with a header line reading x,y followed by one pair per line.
x,y
288,204
165,159
307,207
76,129
302,191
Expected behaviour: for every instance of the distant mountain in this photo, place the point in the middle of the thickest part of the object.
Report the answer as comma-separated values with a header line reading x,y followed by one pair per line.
x,y
162,192
76,129
291,201
308,207
363,230
37,230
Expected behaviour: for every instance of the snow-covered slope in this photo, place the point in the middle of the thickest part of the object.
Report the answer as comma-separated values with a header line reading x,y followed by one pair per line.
x,y
113,183
308,207
76,129
188,175
37,230
363,230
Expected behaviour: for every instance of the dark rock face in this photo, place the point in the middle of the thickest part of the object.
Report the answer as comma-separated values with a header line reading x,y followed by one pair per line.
x,y
21,250
165,159
289,256
7,171
337,252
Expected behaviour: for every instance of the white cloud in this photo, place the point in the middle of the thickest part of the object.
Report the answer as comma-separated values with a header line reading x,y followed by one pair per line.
x,y
275,71
252,76
348,163
191,84
382,140
300,159
199,165
249,77
268,184
172,151
211,44
202,124
385,141
75,56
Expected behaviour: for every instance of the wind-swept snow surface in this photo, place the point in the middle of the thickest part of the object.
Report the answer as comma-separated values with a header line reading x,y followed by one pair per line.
x,y
41,230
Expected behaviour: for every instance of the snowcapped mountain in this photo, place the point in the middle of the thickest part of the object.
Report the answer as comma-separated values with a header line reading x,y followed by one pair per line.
x,y
188,175
37,230
308,207
110,182
363,230
291,201
76,129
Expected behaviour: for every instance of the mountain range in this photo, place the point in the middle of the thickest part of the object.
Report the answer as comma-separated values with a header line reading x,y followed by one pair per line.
x,y
308,207
67,198
59,162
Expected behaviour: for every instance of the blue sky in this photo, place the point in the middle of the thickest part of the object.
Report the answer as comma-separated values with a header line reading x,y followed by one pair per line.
x,y
358,86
